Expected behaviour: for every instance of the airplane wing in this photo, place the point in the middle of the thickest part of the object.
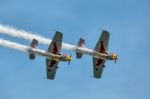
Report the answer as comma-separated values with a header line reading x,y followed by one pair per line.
x,y
102,44
51,67
98,65
55,48
56,44
101,47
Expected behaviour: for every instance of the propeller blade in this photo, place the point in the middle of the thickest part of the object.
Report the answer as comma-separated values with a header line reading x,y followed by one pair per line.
x,y
115,61
68,62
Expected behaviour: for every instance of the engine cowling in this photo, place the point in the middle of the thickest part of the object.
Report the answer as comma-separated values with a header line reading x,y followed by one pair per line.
x,y
33,44
81,43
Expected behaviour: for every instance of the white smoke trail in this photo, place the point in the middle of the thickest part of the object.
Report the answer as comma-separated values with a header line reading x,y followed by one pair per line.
x,y
24,48
22,34
29,36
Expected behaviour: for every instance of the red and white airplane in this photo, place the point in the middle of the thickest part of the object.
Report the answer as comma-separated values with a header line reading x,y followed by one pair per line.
x,y
55,57
101,51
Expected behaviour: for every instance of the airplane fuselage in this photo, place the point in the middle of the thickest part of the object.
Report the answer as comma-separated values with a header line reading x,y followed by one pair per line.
x,y
60,57
106,56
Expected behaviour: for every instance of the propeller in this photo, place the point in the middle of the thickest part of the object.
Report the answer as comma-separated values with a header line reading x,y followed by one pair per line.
x,y
69,62
70,59
116,59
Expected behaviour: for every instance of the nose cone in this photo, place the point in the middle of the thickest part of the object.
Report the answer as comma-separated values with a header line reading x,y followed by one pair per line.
x,y
115,56
70,58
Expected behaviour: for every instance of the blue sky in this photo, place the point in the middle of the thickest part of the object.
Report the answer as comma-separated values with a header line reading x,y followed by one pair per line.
x,y
128,22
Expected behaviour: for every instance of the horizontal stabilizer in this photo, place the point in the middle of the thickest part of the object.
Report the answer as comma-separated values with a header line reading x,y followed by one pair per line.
x,y
34,44
81,43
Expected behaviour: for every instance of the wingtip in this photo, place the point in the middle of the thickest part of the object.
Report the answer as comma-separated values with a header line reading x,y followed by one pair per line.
x,y
105,31
58,32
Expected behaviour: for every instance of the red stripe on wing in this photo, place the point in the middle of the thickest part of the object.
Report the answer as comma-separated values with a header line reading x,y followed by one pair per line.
x,y
99,62
55,48
101,47
100,50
